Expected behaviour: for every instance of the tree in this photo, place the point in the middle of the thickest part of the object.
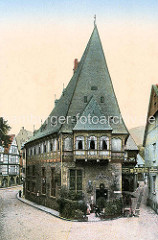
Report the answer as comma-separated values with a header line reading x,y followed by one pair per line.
x,y
4,129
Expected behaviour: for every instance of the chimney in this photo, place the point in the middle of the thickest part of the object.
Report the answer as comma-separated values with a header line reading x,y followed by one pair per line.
x,y
75,64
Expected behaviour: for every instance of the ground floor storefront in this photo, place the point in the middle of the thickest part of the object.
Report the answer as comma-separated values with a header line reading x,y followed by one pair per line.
x,y
7,181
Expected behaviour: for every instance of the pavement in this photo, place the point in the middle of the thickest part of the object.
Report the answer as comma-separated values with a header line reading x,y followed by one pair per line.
x,y
40,207
19,221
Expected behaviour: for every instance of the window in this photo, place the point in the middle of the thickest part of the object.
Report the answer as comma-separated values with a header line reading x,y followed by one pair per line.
x,y
94,88
5,158
4,169
12,170
45,148
1,158
79,142
85,99
104,146
102,99
30,152
75,179
92,145
116,144
80,145
53,184
154,184
154,152
39,149
34,150
68,144
12,159
58,144
43,181
104,143
51,146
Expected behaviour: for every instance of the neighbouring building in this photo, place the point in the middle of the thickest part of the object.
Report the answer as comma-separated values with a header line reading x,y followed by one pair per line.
x,y
22,137
129,182
151,147
9,164
141,165
84,154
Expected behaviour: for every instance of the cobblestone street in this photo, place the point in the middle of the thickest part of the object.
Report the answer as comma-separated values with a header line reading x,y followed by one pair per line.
x,y
19,221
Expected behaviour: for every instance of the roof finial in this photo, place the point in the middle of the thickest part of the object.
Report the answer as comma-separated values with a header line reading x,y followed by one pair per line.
x,y
94,20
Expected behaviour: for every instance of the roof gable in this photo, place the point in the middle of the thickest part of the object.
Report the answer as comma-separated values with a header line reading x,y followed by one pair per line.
x,y
130,144
92,118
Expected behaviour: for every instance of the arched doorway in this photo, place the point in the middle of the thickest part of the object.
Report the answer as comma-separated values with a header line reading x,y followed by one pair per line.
x,y
4,182
11,182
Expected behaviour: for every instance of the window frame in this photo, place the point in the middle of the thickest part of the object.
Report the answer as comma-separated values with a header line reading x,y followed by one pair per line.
x,y
76,179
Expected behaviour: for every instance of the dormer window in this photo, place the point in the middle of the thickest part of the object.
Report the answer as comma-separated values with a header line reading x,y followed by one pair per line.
x,y
94,88
92,145
92,142
104,146
80,145
85,99
102,99
104,143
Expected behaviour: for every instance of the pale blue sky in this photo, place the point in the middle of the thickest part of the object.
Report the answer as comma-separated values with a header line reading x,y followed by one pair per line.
x,y
74,10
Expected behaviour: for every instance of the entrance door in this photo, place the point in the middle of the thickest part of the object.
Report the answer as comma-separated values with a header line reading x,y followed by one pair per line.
x,y
102,192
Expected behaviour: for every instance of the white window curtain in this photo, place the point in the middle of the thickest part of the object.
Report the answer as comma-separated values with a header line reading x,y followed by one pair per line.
x,y
92,138
79,138
106,139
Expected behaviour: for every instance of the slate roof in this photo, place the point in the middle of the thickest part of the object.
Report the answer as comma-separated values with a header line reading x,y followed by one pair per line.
x,y
154,89
91,78
88,122
130,144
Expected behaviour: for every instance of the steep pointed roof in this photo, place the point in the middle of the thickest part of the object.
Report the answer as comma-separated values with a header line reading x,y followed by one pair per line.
x,y
92,118
91,78
94,80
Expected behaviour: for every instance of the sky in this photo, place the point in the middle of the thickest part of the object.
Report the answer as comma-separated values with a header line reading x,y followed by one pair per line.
x,y
40,39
